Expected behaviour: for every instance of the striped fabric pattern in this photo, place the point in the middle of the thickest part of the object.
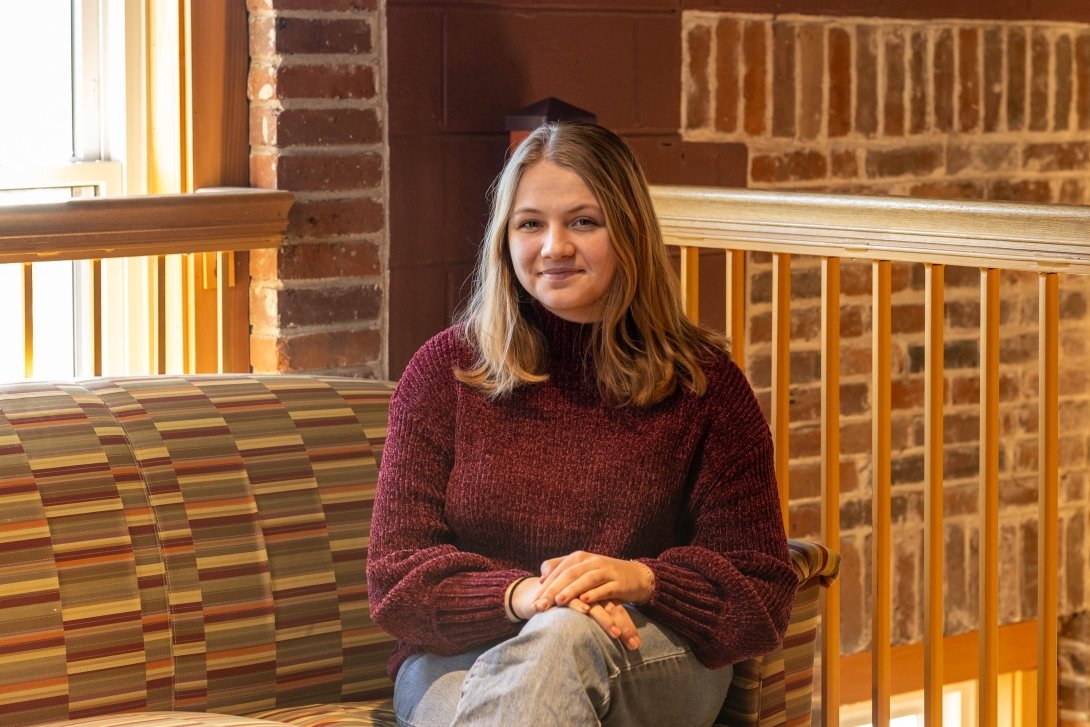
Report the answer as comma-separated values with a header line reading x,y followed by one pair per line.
x,y
187,543
777,688
176,551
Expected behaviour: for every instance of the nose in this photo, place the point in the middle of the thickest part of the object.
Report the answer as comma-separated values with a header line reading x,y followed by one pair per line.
x,y
556,244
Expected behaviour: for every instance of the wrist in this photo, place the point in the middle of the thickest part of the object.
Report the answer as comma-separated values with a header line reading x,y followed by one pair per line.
x,y
647,581
509,600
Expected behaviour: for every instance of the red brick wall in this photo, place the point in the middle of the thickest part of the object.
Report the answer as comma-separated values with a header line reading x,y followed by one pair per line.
x,y
947,109
317,128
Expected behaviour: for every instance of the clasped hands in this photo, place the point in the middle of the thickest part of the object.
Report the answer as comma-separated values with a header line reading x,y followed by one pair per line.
x,y
595,585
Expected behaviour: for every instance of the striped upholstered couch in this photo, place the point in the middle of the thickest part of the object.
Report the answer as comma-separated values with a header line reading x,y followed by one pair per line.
x,y
191,551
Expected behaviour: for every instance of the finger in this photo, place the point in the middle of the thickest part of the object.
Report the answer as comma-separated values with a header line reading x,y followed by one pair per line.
x,y
562,565
548,566
622,620
562,580
604,619
588,581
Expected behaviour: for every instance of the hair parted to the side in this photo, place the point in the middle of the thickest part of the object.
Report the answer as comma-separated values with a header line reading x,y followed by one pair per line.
x,y
644,347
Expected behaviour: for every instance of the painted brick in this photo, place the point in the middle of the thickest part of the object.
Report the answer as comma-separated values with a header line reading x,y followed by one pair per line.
x,y
894,112
697,105
310,219
840,82
1016,78
1038,87
943,79
314,261
812,92
968,46
300,126
866,72
993,79
300,81
727,74
920,83
755,81
1057,156
783,79
981,157
793,166
914,160
855,589
1082,66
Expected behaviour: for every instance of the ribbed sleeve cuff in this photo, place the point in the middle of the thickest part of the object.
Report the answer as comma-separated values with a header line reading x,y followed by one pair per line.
x,y
469,607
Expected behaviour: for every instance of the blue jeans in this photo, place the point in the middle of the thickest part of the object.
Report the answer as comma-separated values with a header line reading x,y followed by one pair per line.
x,y
563,669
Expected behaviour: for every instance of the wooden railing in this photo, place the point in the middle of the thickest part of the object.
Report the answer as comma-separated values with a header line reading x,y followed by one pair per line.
x,y
190,310
994,237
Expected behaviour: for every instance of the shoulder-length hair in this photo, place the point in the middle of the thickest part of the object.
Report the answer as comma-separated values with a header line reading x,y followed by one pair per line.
x,y
644,347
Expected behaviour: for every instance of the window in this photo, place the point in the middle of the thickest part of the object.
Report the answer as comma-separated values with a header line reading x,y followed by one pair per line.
x,y
67,108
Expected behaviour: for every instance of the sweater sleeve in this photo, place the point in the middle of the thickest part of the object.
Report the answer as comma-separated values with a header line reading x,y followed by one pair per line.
x,y
423,589
729,591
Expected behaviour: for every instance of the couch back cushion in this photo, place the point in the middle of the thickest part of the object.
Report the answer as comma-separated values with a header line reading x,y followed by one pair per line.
x,y
187,543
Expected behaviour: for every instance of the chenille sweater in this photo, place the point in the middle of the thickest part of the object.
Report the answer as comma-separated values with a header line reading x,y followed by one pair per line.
x,y
474,493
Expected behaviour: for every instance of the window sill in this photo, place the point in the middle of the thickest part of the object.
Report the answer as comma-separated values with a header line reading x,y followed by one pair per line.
x,y
211,220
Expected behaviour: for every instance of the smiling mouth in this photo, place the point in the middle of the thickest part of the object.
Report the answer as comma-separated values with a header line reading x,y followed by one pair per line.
x,y
559,274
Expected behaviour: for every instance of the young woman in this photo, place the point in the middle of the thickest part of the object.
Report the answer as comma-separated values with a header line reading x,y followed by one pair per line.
x,y
577,520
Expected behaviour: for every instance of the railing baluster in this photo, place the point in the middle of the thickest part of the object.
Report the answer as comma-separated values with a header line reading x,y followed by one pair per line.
x,y
690,282
736,305
988,508
830,483
28,320
1048,566
881,672
933,479
95,317
781,373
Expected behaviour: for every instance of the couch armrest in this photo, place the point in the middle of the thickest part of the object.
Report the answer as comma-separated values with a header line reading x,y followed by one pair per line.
x,y
777,688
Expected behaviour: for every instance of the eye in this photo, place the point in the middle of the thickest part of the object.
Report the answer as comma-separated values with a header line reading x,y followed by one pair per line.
x,y
584,222
528,225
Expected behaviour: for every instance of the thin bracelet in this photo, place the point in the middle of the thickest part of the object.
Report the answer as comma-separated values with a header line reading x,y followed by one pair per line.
x,y
511,599
650,581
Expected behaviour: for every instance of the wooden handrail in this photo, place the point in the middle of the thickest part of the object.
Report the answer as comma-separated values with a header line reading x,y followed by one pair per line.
x,y
103,227
1006,235
991,236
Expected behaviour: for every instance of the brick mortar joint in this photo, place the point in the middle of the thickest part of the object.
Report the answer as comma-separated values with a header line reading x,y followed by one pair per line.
x,y
316,150
284,332
369,59
273,13
321,104
280,284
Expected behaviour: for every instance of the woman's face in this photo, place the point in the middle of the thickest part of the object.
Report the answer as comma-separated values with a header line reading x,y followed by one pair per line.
x,y
559,242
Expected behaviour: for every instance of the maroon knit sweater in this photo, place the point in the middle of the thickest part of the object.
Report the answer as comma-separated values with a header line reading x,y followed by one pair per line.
x,y
474,493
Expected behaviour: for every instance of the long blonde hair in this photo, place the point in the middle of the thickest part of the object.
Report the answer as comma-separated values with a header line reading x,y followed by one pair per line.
x,y
643,347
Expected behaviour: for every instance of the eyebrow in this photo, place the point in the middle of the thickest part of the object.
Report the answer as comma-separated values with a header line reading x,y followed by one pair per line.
x,y
535,211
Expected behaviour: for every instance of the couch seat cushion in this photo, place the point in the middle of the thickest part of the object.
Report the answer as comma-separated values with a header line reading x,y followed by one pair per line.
x,y
165,719
376,713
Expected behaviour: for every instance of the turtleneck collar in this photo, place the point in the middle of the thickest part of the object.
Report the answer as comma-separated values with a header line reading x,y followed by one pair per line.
x,y
568,342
